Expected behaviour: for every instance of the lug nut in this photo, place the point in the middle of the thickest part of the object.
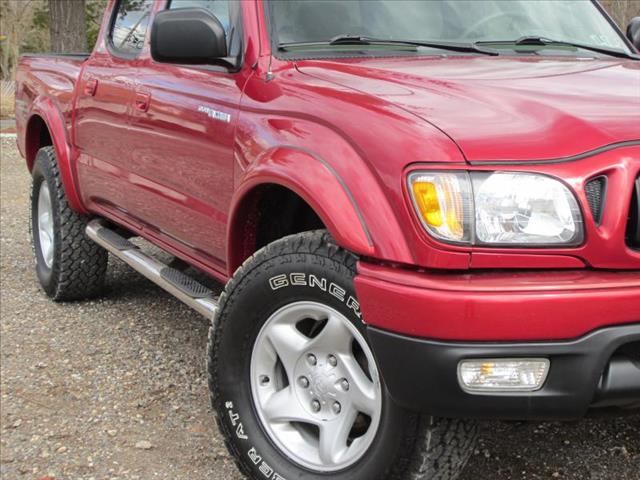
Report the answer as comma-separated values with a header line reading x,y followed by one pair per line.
x,y
303,382
333,361
311,358
315,406
337,408
264,380
344,383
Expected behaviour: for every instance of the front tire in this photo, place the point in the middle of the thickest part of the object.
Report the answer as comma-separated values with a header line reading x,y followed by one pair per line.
x,y
69,265
294,383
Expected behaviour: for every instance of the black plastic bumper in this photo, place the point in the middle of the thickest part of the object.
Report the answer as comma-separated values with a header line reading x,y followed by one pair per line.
x,y
421,375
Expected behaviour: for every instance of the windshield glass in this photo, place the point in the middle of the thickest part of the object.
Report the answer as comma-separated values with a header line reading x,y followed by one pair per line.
x,y
467,21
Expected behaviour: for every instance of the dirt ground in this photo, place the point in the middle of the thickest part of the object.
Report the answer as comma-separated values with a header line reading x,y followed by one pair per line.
x,y
116,388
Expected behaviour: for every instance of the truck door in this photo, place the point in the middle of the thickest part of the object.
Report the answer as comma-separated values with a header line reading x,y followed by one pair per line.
x,y
181,152
103,108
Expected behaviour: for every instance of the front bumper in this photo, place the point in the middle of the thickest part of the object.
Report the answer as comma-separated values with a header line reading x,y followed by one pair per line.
x,y
497,306
592,371
587,323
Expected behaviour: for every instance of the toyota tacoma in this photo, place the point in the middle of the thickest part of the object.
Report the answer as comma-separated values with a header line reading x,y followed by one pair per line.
x,y
424,213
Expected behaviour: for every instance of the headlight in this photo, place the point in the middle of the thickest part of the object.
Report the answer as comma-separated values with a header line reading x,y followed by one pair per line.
x,y
496,208
516,208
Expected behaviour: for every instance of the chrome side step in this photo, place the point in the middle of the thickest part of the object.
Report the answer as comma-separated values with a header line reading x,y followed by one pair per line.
x,y
181,286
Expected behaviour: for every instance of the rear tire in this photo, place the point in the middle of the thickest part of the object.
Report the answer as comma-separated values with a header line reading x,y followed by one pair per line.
x,y
69,265
271,340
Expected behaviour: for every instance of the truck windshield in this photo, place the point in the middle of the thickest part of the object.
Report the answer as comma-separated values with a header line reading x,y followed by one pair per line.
x,y
563,25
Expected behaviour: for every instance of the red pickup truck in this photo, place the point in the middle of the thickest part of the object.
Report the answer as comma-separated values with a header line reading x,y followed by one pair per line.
x,y
425,212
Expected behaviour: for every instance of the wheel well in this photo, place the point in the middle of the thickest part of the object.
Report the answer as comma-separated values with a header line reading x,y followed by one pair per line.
x,y
37,136
268,213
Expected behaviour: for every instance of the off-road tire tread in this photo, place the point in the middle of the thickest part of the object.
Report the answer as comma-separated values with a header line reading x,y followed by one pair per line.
x,y
438,449
434,449
80,269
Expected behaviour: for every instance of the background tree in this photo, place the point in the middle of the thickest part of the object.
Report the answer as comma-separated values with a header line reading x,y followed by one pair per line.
x,y
67,25
19,33
622,11
94,10
25,26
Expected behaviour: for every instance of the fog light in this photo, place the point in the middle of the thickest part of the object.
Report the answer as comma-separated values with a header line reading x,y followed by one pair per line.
x,y
493,375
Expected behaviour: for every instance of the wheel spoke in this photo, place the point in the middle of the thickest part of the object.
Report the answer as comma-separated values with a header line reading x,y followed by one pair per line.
x,y
289,344
45,224
44,240
42,221
283,406
362,391
335,336
49,257
334,436
46,243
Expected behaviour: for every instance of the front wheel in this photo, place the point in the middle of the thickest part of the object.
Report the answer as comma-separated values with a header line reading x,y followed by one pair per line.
x,y
295,384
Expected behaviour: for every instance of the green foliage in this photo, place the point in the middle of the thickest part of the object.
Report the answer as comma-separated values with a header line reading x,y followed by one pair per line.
x,y
35,33
41,18
94,12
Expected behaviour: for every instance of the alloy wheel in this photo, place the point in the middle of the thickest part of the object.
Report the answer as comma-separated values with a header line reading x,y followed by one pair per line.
x,y
45,225
316,386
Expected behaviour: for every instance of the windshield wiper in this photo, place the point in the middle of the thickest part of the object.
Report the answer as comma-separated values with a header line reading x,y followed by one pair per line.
x,y
548,42
364,40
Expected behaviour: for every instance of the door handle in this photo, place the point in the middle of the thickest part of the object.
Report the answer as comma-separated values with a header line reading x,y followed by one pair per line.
x,y
143,100
91,87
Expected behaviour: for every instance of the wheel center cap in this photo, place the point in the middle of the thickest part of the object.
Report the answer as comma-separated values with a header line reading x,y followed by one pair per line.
x,y
317,388
323,384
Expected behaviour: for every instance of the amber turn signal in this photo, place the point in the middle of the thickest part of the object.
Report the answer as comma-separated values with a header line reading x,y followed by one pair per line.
x,y
442,200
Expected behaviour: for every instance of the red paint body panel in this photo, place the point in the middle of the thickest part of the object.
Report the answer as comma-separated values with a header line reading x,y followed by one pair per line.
x,y
45,94
498,306
505,108
302,173
135,146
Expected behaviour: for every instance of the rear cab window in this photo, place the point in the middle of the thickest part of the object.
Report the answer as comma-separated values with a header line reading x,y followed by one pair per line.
x,y
129,26
220,8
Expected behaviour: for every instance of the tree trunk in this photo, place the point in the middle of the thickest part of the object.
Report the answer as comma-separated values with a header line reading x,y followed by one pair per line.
x,y
68,26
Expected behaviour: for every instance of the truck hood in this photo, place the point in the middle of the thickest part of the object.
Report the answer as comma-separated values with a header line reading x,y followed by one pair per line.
x,y
504,108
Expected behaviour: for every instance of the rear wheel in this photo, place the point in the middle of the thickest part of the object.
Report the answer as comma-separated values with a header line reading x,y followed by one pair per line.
x,y
295,384
69,265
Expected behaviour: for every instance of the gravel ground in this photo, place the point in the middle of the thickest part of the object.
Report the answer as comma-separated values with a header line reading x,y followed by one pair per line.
x,y
115,388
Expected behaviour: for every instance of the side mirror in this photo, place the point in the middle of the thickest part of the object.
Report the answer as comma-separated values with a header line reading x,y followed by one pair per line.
x,y
633,32
191,36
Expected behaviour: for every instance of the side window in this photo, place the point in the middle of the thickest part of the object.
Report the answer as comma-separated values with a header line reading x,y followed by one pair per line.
x,y
130,25
220,8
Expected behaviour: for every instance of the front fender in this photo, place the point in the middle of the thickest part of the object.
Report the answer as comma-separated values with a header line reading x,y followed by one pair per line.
x,y
45,109
317,183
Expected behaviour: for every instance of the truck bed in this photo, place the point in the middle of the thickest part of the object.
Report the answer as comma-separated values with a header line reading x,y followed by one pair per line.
x,y
82,56
46,77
